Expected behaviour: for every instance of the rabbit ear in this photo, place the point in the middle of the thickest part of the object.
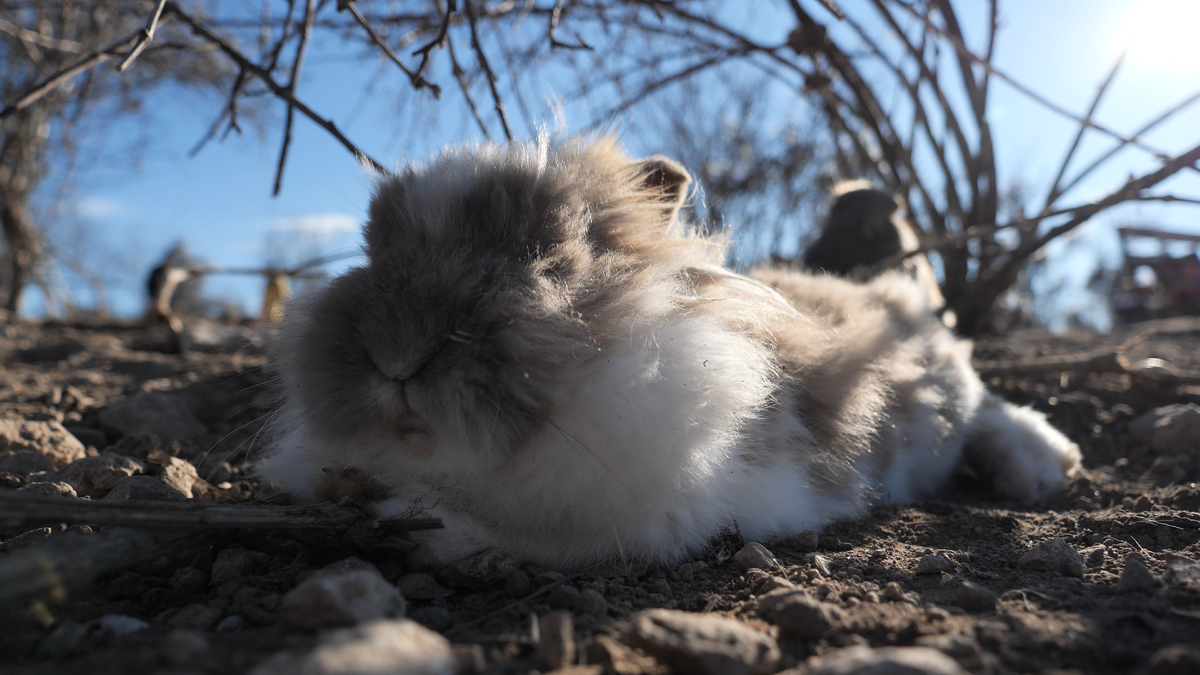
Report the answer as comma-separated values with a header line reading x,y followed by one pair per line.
x,y
667,180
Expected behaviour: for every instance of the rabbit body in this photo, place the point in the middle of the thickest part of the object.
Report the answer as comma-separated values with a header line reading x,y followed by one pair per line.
x,y
536,353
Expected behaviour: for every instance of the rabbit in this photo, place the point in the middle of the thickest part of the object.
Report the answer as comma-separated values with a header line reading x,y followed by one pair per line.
x,y
864,228
538,352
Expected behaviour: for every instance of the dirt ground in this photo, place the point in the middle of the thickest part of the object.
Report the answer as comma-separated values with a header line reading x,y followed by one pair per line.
x,y
895,577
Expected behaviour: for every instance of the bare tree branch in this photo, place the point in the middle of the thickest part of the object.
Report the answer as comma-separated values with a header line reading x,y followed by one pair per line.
x,y
417,80
310,15
487,69
144,38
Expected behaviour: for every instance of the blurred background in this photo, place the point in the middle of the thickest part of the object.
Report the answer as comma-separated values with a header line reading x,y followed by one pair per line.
x,y
1044,151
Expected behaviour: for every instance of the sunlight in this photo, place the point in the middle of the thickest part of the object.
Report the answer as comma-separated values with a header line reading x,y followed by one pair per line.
x,y
1162,34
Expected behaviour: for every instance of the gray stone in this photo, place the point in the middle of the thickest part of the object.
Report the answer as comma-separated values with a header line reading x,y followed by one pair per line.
x,y
95,476
351,564
231,624
886,661
1136,577
703,643
591,603
421,586
798,614
342,599
517,584
805,542
46,437
188,581
89,436
1172,429
754,555
167,415
398,647
195,617
232,564
975,598
1094,556
52,488
25,462
556,641
1055,555
26,539
479,571
933,564
563,596
143,488
893,591
120,624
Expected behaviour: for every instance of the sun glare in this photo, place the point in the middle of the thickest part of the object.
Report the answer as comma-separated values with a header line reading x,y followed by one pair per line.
x,y
1163,34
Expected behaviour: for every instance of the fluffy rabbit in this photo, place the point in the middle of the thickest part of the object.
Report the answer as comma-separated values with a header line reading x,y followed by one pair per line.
x,y
537,353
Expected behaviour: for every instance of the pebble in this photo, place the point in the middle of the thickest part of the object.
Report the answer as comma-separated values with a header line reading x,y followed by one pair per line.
x,y
195,617
704,644
893,591
556,642
479,571
754,556
120,624
973,597
95,476
1136,577
52,488
1175,660
1171,429
26,539
1094,556
798,614
189,581
395,647
591,603
25,462
232,564
181,647
330,600
775,583
860,660
165,414
805,542
933,564
517,584
421,586
48,438
1055,555
562,597
180,475
231,624
144,488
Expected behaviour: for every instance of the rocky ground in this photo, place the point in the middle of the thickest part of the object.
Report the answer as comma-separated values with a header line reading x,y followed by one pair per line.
x,y
1101,579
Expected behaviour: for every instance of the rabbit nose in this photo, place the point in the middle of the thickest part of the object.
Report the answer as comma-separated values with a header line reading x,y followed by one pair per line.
x,y
403,369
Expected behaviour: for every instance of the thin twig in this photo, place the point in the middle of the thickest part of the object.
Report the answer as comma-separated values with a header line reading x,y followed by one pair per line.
x,y
439,39
461,77
279,90
48,85
144,38
26,35
1055,192
487,68
418,82
555,18
310,12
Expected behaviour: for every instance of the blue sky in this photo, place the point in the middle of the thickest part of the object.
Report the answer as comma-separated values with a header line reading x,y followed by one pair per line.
x,y
219,203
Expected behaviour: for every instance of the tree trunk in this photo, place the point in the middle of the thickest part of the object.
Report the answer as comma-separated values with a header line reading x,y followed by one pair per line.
x,y
21,241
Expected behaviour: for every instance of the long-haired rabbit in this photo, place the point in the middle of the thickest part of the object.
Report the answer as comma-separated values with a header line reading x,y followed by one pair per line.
x,y
538,353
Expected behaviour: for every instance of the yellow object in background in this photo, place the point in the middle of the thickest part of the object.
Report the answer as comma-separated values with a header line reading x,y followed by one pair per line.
x,y
278,290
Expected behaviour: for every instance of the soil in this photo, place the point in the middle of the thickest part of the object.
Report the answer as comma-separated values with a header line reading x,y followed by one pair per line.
x,y
1131,503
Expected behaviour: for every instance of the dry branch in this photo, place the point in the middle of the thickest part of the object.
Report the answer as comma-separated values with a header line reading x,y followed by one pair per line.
x,y
21,510
1101,361
310,15
144,38
417,80
88,62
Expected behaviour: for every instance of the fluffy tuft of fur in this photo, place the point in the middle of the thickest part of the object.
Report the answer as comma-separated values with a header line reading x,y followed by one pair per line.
x,y
539,353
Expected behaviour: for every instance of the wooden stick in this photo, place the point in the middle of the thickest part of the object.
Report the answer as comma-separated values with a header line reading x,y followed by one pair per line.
x,y
144,38
23,510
